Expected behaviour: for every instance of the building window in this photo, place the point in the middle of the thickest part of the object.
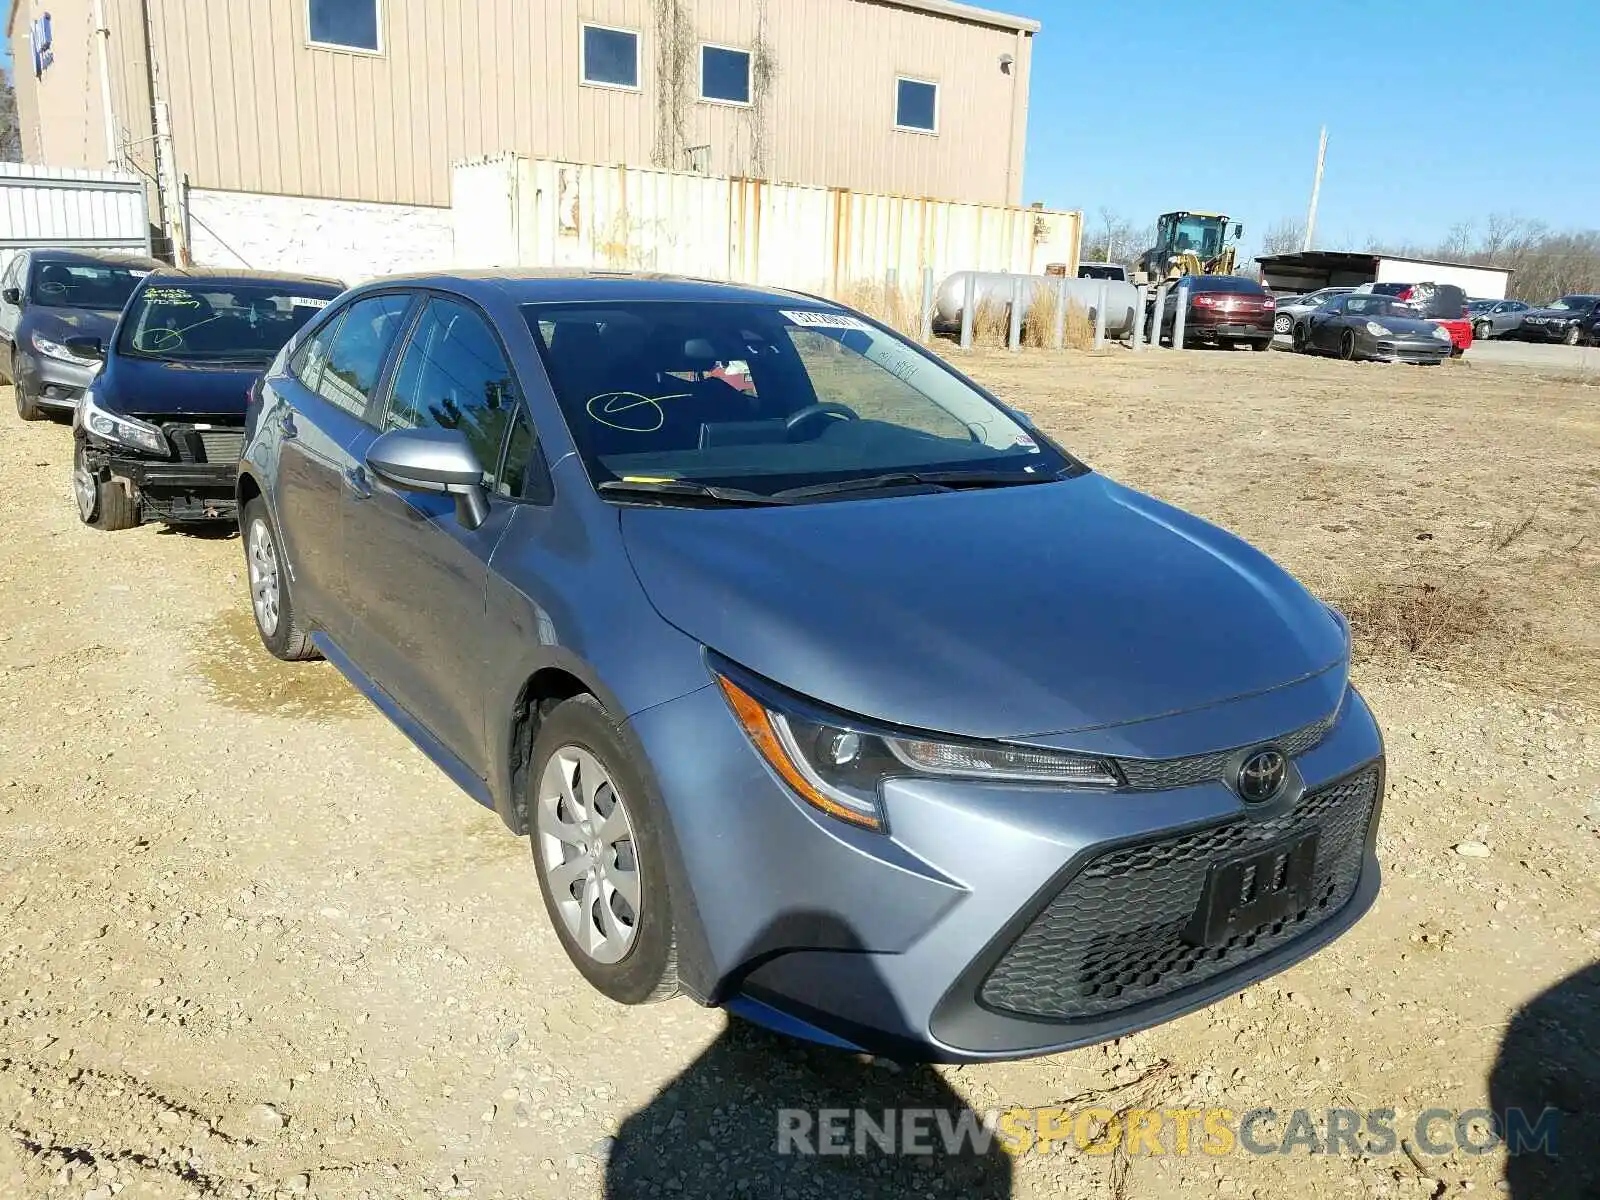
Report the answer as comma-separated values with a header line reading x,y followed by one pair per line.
x,y
724,74
916,105
610,57
347,24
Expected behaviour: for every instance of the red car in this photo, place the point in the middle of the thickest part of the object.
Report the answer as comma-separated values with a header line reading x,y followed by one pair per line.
x,y
1442,303
1224,310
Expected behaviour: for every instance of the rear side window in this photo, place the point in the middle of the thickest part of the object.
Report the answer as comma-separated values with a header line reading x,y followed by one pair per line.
x,y
453,375
306,363
356,354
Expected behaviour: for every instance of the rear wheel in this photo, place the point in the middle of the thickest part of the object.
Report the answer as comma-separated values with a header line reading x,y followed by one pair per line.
x,y
27,407
102,503
1263,344
1282,323
597,850
283,632
1347,345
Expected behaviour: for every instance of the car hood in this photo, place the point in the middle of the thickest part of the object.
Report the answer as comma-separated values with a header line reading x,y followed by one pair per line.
x,y
58,324
1558,314
147,388
1017,612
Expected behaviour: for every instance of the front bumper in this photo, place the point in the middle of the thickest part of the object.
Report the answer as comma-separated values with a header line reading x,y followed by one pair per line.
x,y
1545,333
982,926
53,383
175,492
1421,350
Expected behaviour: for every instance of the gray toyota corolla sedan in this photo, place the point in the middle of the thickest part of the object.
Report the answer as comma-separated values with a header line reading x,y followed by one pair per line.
x,y
826,686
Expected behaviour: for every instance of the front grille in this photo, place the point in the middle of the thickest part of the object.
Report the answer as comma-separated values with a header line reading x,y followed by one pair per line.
x,y
212,445
1113,937
1160,774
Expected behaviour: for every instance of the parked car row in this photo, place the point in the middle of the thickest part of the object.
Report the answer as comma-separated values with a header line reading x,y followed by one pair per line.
x,y
776,635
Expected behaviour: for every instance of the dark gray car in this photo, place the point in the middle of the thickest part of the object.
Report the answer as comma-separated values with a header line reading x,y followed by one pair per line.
x,y
1363,325
825,686
47,299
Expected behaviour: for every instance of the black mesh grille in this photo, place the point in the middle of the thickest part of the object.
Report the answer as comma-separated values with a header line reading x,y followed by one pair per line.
x,y
1113,937
1159,775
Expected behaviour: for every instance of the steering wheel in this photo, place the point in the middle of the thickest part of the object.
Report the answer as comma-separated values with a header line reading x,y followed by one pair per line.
x,y
816,412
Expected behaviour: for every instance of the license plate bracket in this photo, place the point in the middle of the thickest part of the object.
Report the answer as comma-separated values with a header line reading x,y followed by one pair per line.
x,y
1254,889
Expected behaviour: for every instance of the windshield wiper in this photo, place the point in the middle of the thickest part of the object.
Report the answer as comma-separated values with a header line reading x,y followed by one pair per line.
x,y
947,480
675,488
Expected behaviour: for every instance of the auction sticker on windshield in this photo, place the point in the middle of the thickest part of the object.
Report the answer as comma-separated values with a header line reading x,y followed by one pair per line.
x,y
824,320
307,302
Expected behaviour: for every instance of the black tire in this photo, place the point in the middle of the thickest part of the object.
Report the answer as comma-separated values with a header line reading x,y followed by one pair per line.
x,y
102,503
1480,331
1298,339
1347,345
648,971
1261,345
27,407
289,637
1573,336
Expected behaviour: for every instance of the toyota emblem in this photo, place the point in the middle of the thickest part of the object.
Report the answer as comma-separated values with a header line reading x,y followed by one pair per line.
x,y
1262,775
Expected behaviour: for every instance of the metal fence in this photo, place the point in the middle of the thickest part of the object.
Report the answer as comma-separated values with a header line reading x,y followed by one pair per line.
x,y
61,206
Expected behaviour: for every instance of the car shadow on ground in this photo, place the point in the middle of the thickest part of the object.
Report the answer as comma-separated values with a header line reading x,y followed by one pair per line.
x,y
1550,1060
715,1129
209,531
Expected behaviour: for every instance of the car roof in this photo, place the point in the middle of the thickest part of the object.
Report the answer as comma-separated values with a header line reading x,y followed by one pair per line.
x,y
102,258
243,275
558,286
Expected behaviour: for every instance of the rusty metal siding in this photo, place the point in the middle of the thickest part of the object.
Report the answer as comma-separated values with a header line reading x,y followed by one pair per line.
x,y
255,107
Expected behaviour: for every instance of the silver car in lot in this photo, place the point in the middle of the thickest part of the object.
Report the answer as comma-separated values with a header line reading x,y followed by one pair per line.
x,y
1292,308
1496,318
825,686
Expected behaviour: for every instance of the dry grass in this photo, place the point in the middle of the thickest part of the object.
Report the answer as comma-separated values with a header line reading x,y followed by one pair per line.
x,y
1435,620
897,307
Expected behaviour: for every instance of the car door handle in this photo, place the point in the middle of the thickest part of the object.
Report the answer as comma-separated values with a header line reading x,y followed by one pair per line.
x,y
356,480
286,425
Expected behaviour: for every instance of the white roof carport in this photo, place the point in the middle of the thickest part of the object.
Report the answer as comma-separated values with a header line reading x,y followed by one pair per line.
x,y
1309,270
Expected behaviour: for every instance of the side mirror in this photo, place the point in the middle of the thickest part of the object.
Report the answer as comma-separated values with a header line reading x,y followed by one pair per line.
x,y
433,460
1238,230
12,295
84,347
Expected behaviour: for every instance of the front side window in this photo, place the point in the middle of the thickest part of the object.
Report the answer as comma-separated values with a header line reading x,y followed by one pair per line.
x,y
453,375
175,319
766,398
359,348
83,285
610,57
916,105
724,75
349,24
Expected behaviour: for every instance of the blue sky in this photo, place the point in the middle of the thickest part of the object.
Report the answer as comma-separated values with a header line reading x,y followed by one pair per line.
x,y
1437,113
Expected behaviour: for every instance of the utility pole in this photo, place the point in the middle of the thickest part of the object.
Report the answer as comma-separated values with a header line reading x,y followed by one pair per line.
x,y
1316,189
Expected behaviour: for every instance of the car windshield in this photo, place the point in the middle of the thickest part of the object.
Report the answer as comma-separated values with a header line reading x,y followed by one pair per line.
x,y
83,285
222,321
767,398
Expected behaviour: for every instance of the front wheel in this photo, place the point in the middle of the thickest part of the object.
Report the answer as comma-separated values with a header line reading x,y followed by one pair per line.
x,y
1573,336
597,849
27,407
283,632
102,503
1298,339
1347,345
1481,331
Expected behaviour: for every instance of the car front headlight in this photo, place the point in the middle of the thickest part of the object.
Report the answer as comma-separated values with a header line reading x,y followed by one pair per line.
x,y
116,428
1377,330
837,764
60,353
1440,332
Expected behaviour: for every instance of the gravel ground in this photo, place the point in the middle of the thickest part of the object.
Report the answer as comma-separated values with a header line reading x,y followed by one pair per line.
x,y
253,944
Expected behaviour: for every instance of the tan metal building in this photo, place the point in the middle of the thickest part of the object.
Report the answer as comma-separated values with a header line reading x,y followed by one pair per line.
x,y
374,100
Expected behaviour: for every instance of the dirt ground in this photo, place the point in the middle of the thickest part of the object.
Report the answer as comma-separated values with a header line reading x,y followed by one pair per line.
x,y
253,944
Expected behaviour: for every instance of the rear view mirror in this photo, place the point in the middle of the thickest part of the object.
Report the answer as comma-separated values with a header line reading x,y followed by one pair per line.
x,y
85,347
12,295
433,460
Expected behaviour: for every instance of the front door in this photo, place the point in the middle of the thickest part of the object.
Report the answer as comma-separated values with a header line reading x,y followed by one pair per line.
x,y
419,577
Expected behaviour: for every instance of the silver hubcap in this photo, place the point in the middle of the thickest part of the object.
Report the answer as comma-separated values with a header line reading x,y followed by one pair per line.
x,y
84,488
583,843
263,562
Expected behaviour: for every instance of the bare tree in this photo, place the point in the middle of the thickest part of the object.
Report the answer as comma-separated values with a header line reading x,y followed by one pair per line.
x,y
1544,263
1284,237
10,124
1113,238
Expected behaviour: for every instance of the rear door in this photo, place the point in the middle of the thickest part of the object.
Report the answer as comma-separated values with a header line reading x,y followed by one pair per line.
x,y
10,313
318,412
419,577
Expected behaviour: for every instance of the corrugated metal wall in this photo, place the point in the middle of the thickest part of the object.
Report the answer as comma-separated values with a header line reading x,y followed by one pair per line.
x,y
256,108
512,211
52,206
